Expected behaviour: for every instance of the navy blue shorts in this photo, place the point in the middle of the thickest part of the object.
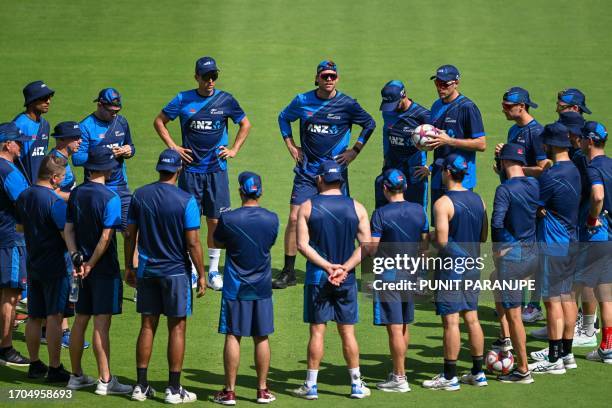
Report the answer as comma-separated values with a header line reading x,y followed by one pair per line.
x,y
305,187
167,295
326,302
13,268
515,271
211,191
49,297
594,264
246,317
456,298
125,195
100,296
557,275
415,193
393,312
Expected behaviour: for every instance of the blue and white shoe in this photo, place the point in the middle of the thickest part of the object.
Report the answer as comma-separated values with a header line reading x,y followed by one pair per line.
x,y
215,281
479,380
306,392
599,354
439,382
66,340
360,390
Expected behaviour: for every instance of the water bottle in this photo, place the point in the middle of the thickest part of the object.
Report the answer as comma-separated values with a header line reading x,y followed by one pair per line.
x,y
75,283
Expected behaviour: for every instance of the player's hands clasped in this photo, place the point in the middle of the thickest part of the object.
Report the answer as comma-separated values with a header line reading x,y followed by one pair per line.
x,y
122,151
86,269
336,274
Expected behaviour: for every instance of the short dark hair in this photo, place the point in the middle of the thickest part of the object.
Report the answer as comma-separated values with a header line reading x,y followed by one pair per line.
x,y
599,143
457,176
51,165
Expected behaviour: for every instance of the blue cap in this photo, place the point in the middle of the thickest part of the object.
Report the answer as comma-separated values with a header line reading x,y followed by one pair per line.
x,y
516,94
595,131
327,65
573,96
66,129
394,180
169,160
573,121
331,171
556,134
205,65
454,162
36,90
250,184
109,96
100,158
392,93
513,151
10,132
447,73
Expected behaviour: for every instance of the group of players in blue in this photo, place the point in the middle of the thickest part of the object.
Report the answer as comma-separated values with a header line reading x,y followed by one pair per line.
x,y
69,231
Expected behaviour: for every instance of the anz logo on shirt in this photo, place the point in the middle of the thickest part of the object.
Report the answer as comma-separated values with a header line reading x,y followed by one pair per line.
x,y
38,151
323,129
205,125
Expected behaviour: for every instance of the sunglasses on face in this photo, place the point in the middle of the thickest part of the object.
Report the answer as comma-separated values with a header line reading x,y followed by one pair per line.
x,y
442,84
561,106
108,107
208,77
328,77
508,106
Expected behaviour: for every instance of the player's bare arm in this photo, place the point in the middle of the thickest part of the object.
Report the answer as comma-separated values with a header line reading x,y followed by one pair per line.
x,y
241,136
101,247
197,257
130,247
441,138
159,124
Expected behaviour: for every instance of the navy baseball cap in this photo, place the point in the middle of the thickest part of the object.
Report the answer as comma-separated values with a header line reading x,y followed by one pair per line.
x,y
392,93
205,65
100,158
169,160
109,96
595,131
66,129
556,134
10,132
36,90
327,65
573,121
513,151
250,184
447,73
331,171
453,162
573,96
394,179
516,94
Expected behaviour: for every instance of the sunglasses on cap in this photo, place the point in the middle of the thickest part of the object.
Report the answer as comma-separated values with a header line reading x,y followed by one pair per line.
x,y
328,76
210,76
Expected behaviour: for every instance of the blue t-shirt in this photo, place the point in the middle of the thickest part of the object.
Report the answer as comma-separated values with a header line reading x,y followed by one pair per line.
x,y
163,213
460,119
248,234
325,126
599,171
465,228
33,150
204,126
93,207
400,221
514,210
12,184
96,132
43,216
529,137
69,182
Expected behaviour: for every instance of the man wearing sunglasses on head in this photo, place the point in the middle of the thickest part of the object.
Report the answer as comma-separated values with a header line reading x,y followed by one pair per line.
x,y
204,114
326,116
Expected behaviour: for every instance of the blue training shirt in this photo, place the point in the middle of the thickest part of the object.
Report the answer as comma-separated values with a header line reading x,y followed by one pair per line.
x,y
465,228
93,207
529,137
115,133
43,216
599,171
204,126
69,182
34,150
460,119
400,221
12,184
514,210
248,234
163,213
325,126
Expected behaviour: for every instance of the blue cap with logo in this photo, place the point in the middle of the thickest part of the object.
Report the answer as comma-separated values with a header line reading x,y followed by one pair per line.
x,y
516,94
556,134
513,151
109,96
574,97
595,131
573,121
447,73
392,93
250,184
100,158
66,129
454,162
327,65
394,180
205,65
36,90
10,132
169,160
331,171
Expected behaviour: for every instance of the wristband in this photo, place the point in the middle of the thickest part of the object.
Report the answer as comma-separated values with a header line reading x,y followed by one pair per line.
x,y
356,149
591,221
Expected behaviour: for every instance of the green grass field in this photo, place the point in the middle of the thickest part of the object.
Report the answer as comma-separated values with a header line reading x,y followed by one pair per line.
x,y
268,52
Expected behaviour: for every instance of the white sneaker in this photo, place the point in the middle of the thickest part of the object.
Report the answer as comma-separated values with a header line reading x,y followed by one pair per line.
x,y
604,356
139,395
582,339
112,387
532,314
306,392
569,362
479,380
215,281
76,383
394,383
541,355
441,383
360,390
546,367
541,333
181,397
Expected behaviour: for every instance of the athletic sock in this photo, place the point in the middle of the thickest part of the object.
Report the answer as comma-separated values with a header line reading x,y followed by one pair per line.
x,y
311,377
399,377
174,381
566,346
606,338
554,350
141,377
450,369
355,375
477,364
289,263
213,256
588,324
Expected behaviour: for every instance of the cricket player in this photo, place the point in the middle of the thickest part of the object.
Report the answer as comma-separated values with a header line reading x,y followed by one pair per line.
x,y
67,137
401,224
204,114
247,234
166,221
93,215
328,224
326,117
572,100
401,115
12,245
461,225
